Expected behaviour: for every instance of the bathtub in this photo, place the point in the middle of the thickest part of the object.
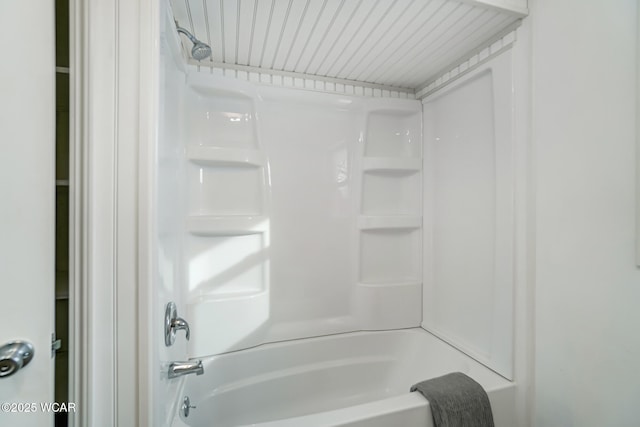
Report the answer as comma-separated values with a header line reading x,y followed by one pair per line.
x,y
354,379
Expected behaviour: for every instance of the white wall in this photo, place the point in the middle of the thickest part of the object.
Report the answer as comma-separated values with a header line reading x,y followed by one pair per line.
x,y
587,286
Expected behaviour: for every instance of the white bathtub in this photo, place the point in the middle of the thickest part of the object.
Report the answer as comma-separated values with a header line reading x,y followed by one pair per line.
x,y
354,379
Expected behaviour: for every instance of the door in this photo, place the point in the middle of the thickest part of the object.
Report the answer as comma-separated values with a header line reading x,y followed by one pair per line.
x,y
27,194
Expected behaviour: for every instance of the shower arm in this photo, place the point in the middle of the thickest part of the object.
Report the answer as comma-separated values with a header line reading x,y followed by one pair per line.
x,y
187,33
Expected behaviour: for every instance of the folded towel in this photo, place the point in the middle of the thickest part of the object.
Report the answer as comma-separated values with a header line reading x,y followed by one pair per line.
x,y
456,401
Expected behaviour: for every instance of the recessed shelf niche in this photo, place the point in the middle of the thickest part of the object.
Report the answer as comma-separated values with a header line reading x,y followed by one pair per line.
x,y
393,133
391,192
225,190
221,119
226,266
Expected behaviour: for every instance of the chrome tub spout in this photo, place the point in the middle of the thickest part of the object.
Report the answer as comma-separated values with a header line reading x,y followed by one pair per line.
x,y
178,369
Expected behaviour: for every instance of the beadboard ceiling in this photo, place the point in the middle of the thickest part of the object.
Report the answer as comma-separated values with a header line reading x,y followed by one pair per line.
x,y
398,43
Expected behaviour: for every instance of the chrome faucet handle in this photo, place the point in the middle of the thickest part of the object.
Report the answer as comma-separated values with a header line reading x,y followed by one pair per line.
x,y
179,324
172,324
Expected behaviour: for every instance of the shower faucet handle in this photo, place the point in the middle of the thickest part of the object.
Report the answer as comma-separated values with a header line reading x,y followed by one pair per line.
x,y
173,324
180,324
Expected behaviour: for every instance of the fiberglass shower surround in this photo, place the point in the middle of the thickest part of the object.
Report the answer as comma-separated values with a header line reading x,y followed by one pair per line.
x,y
298,204
295,227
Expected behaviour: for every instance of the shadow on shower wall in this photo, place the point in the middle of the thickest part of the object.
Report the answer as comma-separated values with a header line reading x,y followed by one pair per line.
x,y
222,268
227,279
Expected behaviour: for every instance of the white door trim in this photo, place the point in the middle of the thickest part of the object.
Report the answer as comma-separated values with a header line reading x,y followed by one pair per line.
x,y
113,44
78,343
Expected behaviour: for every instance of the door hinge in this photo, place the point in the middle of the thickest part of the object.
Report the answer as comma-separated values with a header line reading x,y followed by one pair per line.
x,y
56,344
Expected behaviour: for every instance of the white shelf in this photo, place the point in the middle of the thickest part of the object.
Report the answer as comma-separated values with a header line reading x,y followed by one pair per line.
x,y
222,297
215,156
380,222
240,225
391,284
391,164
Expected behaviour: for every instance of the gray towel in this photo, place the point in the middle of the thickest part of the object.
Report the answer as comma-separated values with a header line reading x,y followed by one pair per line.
x,y
456,401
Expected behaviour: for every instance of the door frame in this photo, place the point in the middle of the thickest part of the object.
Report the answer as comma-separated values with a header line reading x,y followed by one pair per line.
x,y
113,86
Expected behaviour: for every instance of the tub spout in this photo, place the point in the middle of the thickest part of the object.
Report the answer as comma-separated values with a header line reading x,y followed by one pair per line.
x,y
178,369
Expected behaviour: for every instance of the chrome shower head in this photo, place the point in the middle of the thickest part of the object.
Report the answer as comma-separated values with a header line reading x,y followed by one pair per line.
x,y
200,50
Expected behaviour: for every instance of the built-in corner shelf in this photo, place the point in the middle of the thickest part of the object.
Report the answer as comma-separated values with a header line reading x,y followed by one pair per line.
x,y
216,156
391,164
391,284
225,182
226,223
231,225
391,188
379,222
390,220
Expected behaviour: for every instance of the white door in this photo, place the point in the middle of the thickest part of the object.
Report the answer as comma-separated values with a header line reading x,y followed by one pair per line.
x,y
27,192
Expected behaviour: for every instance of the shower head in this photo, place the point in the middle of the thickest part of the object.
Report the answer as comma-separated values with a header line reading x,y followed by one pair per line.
x,y
200,50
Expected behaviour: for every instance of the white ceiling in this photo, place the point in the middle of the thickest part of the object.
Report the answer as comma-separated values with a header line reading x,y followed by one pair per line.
x,y
401,43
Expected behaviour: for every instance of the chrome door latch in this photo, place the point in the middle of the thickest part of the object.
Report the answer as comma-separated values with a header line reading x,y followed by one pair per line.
x,y
56,344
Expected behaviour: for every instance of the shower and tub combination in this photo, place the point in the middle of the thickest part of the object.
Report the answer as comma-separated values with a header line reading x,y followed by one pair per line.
x,y
336,210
